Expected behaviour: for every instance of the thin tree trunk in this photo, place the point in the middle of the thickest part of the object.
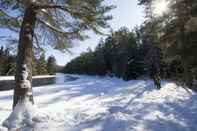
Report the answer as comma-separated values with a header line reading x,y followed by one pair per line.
x,y
188,79
23,78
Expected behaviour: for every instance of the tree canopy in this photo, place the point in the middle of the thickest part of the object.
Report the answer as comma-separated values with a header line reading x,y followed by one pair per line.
x,y
175,33
57,21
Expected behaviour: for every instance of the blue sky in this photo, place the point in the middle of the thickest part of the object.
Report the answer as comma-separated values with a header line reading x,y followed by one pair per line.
x,y
127,14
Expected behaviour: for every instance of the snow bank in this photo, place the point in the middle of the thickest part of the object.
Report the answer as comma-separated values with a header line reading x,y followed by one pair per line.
x,y
21,116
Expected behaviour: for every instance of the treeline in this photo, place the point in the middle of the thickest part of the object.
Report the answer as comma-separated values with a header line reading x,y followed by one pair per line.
x,y
41,66
7,62
121,55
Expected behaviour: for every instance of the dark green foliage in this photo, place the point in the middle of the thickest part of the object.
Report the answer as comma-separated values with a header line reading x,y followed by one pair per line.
x,y
40,66
51,65
119,55
7,62
88,63
175,34
74,17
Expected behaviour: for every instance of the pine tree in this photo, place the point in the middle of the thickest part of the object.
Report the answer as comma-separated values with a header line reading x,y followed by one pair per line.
x,y
117,55
51,65
54,22
41,65
2,59
177,37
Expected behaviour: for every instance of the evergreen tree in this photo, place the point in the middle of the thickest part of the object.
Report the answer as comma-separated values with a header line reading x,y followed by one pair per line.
x,y
7,62
41,65
37,20
2,59
177,37
51,65
117,55
34,66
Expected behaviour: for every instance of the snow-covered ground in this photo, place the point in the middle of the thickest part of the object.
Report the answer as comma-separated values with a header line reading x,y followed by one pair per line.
x,y
12,77
108,104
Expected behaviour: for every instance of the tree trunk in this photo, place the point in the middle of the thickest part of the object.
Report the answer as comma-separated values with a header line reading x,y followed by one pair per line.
x,y
23,78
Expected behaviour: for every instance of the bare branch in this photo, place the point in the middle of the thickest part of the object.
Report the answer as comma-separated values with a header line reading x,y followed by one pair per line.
x,y
56,29
47,14
37,41
51,7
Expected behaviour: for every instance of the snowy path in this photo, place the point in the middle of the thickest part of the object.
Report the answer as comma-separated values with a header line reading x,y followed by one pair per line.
x,y
110,104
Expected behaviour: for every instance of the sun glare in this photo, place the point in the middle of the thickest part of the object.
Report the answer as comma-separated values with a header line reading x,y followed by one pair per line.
x,y
160,7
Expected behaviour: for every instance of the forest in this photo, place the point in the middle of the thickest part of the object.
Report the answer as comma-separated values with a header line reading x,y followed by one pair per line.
x,y
165,44
41,66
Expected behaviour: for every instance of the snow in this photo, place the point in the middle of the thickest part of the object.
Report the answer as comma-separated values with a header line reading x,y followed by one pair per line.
x,y
104,104
12,77
60,78
21,116
25,83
